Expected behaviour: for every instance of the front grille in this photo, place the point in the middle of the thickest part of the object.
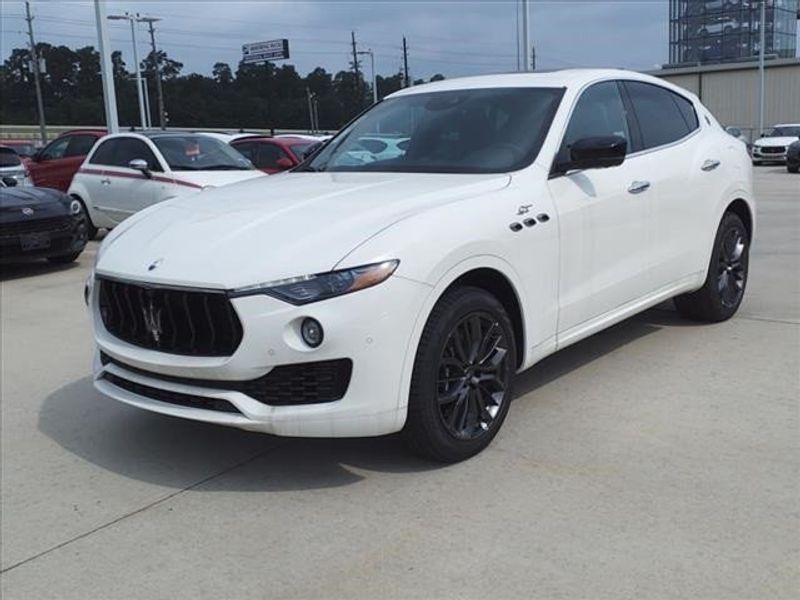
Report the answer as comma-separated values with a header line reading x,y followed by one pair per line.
x,y
177,321
773,149
171,397
51,224
287,385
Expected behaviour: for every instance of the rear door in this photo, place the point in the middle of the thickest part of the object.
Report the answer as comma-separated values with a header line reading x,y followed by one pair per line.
x,y
687,171
603,216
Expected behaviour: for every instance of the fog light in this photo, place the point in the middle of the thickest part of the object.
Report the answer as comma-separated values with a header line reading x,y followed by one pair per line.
x,y
311,331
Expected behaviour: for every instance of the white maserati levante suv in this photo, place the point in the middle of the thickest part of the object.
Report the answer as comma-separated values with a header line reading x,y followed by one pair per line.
x,y
358,296
127,172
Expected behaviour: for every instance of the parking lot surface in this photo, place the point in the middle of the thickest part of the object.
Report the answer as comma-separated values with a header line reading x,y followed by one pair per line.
x,y
658,459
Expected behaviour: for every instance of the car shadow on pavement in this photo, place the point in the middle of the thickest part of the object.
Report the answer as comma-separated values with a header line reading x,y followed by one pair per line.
x,y
178,453
30,269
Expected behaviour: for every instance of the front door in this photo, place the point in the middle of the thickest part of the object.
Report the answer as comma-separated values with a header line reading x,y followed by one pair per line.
x,y
603,218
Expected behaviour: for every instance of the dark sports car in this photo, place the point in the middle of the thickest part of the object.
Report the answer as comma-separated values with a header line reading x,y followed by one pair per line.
x,y
793,157
39,223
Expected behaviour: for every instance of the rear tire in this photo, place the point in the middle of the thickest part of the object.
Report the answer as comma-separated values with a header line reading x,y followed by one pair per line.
x,y
463,376
726,278
792,169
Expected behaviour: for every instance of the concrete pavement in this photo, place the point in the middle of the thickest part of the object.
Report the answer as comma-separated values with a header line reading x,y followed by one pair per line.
x,y
658,459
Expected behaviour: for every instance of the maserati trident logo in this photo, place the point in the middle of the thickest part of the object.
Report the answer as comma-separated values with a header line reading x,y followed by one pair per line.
x,y
27,211
154,264
152,318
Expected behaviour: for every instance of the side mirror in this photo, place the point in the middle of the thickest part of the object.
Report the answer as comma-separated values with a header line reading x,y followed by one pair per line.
x,y
284,163
140,165
10,181
599,152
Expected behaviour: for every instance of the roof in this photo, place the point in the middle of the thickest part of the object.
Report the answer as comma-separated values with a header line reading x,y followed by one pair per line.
x,y
560,78
668,70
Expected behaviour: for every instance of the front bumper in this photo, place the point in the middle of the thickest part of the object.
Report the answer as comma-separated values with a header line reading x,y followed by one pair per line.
x,y
371,328
64,239
769,154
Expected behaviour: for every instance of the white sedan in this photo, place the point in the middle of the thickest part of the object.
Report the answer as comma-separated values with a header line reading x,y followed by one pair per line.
x,y
127,172
525,213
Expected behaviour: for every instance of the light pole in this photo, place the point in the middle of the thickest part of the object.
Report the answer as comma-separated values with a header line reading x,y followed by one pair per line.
x,y
762,27
525,56
374,77
132,19
162,115
106,68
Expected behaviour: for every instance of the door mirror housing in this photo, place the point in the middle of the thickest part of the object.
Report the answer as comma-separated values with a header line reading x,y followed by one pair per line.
x,y
600,152
284,163
140,165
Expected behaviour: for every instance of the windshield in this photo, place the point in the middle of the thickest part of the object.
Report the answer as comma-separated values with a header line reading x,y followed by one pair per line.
x,y
9,158
790,131
200,153
460,131
22,148
301,147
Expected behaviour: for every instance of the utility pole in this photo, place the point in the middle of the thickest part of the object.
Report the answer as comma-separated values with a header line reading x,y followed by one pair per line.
x,y
374,77
762,30
355,66
162,115
310,111
132,19
525,44
106,68
35,67
405,63
533,58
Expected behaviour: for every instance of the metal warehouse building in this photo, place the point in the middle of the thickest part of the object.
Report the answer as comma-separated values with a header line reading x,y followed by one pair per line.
x,y
731,91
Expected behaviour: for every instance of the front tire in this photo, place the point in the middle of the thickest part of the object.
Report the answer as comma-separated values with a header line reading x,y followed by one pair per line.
x,y
792,169
463,376
726,279
91,230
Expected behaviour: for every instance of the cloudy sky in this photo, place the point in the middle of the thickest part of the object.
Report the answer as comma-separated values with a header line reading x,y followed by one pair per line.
x,y
449,37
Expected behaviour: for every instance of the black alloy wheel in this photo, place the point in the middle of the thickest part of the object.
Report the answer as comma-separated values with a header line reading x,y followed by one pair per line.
x,y
473,372
462,382
726,278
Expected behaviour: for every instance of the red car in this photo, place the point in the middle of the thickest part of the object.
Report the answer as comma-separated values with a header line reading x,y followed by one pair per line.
x,y
273,155
54,165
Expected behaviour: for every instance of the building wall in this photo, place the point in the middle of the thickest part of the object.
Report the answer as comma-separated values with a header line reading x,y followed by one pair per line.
x,y
732,94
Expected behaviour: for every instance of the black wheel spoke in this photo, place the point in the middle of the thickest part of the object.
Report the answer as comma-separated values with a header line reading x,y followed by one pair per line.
x,y
473,374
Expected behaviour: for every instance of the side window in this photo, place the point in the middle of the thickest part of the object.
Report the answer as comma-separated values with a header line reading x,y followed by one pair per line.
x,y
104,155
688,112
268,155
599,112
56,148
79,145
247,149
129,148
661,118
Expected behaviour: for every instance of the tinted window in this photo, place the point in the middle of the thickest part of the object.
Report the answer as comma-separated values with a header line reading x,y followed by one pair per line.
x,y
268,156
688,112
56,148
247,150
8,158
118,152
79,145
599,112
460,131
659,114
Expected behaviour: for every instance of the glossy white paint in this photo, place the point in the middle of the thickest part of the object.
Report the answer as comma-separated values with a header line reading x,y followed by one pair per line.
x,y
602,254
111,194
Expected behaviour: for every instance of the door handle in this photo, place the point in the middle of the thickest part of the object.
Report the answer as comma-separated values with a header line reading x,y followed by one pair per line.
x,y
105,181
637,187
710,165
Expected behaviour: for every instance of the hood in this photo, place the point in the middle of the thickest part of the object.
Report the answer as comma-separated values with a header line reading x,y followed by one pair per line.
x,y
215,178
44,201
275,227
775,141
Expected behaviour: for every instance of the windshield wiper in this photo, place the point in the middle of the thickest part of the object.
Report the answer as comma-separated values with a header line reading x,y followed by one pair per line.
x,y
223,168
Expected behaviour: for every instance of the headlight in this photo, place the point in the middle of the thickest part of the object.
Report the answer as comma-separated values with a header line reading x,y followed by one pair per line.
x,y
75,207
312,288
